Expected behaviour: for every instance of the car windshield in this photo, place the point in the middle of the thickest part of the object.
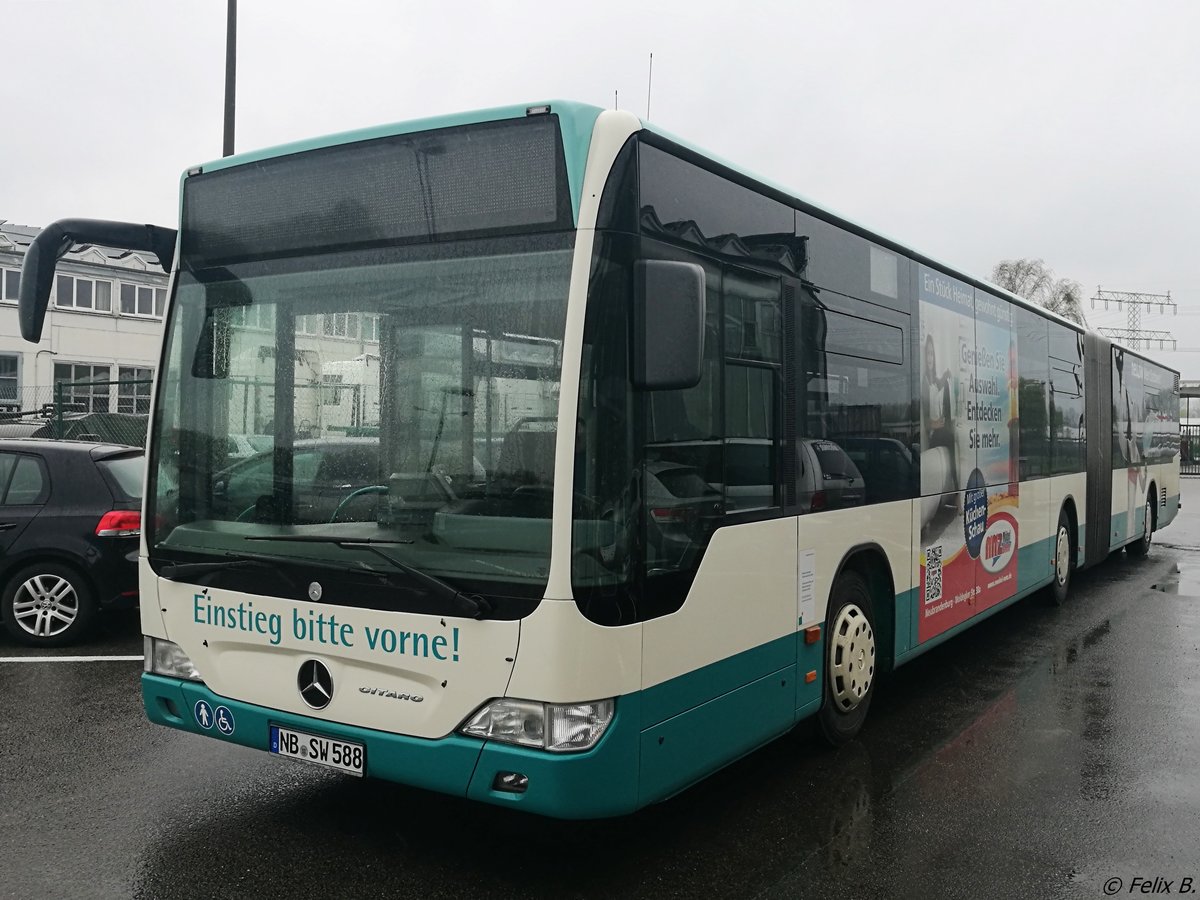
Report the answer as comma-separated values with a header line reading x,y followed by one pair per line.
x,y
406,395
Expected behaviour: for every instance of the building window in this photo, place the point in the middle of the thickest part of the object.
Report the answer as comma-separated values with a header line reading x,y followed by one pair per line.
x,y
133,389
84,293
335,325
308,324
342,325
140,300
85,387
260,316
370,328
8,380
10,284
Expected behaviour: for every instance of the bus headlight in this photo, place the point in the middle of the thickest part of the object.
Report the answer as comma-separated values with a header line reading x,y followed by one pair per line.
x,y
166,658
559,727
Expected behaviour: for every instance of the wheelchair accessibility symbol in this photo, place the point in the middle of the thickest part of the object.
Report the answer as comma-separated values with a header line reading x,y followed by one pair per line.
x,y
224,720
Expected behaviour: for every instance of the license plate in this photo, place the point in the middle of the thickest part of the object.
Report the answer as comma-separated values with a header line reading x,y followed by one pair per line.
x,y
345,756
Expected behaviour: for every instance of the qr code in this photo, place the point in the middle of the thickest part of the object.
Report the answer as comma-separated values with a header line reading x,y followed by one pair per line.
x,y
933,574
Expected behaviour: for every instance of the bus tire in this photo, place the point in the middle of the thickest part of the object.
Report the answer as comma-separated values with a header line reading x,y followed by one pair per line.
x,y
850,665
1064,560
1141,547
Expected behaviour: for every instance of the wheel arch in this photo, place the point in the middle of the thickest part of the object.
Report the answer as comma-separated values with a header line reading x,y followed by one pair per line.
x,y
1072,512
869,561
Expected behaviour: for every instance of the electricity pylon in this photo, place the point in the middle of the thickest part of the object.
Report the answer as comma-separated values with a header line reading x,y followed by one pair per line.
x,y
1133,335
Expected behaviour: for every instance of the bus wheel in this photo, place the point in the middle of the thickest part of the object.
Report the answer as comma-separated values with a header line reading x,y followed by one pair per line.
x,y
1141,547
849,660
1064,560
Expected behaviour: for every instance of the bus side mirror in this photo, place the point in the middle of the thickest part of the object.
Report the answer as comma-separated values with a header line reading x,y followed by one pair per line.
x,y
45,250
668,333
37,275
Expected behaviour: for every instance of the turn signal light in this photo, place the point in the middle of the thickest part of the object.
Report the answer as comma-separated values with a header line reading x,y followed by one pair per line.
x,y
812,634
120,523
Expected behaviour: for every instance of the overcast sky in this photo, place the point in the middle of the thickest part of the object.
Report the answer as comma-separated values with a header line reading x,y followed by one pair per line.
x,y
972,132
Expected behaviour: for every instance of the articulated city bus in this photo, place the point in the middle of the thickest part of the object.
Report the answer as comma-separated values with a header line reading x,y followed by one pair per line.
x,y
587,463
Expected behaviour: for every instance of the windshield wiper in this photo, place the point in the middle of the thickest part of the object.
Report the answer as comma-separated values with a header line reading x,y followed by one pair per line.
x,y
278,565
473,605
320,539
181,571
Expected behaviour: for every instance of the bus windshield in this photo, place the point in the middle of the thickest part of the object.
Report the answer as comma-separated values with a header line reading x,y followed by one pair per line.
x,y
398,395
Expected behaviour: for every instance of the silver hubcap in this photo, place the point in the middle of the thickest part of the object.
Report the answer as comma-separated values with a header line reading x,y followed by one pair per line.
x,y
851,658
1149,523
1062,556
45,605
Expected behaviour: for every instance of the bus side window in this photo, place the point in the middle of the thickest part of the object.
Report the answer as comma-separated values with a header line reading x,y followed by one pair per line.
x,y
753,375
857,423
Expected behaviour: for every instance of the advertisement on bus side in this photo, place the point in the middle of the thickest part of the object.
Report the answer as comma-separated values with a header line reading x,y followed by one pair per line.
x,y
969,454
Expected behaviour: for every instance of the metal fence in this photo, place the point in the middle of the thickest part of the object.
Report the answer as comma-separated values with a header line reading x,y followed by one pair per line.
x,y
1189,449
114,412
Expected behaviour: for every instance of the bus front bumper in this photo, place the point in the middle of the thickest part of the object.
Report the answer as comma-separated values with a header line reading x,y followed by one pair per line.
x,y
594,784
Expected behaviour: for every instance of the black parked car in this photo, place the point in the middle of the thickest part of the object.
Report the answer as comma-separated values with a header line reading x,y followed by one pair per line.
x,y
70,518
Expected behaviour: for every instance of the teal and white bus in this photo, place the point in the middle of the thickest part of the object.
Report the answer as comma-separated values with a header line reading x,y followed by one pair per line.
x,y
588,463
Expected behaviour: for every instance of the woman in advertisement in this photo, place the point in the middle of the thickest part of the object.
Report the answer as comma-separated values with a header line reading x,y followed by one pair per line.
x,y
938,428
939,457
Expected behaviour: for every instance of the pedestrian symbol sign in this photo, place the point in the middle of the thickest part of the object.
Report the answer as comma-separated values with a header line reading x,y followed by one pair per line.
x,y
203,713
224,720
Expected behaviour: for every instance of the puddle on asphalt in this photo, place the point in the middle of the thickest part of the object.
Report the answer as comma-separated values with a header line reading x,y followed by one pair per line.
x,y
1186,582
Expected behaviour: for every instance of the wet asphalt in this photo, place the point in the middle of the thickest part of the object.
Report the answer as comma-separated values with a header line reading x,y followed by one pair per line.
x,y
1044,753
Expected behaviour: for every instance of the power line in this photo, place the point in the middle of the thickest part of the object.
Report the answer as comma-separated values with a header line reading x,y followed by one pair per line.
x,y
1133,338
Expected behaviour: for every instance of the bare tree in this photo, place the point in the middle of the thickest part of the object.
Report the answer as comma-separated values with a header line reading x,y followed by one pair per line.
x,y
1035,281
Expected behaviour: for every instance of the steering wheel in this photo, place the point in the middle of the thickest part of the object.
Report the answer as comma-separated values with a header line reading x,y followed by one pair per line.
x,y
360,492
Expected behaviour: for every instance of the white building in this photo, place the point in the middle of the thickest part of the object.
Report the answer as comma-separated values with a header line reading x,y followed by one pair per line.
x,y
104,324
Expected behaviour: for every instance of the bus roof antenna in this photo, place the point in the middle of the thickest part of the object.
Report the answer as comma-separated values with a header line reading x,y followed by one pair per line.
x,y
649,84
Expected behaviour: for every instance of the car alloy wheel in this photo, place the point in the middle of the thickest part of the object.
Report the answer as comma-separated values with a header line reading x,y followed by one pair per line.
x,y
45,605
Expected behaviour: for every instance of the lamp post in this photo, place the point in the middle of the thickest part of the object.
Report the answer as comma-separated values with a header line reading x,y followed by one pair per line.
x,y
230,74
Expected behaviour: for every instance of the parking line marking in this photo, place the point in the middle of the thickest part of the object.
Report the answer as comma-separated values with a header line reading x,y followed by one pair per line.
x,y
24,659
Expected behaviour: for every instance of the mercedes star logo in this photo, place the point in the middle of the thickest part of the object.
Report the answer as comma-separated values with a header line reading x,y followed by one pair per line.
x,y
315,683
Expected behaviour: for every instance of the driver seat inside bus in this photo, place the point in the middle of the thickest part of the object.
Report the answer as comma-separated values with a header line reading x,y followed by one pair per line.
x,y
527,457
